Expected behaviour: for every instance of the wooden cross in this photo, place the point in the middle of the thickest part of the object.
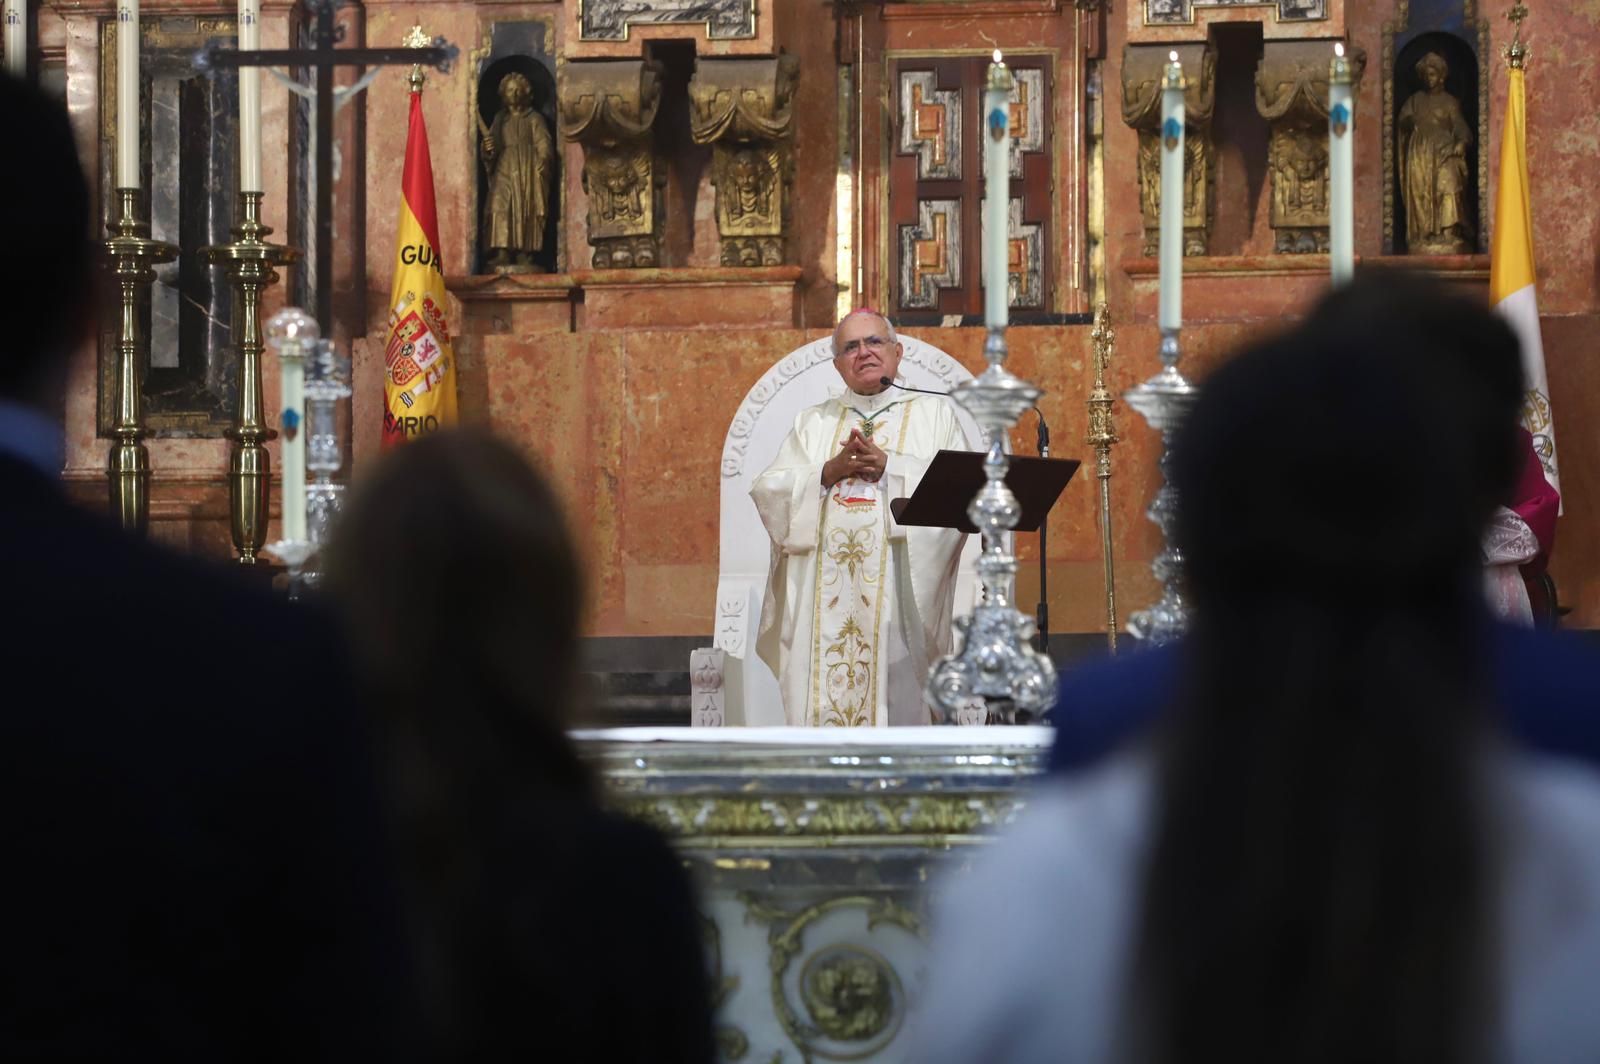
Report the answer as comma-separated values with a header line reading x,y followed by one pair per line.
x,y
324,56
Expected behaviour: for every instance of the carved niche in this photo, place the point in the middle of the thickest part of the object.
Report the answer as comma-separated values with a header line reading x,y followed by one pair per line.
x,y
1454,31
1292,95
1142,67
744,108
609,107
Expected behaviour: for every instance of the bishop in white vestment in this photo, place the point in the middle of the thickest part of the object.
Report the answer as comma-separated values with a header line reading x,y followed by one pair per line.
x,y
857,605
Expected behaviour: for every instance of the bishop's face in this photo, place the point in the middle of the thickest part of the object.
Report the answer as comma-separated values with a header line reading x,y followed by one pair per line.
x,y
863,353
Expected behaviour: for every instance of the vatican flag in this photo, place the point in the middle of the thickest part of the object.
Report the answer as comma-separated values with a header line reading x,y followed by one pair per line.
x,y
1511,277
419,380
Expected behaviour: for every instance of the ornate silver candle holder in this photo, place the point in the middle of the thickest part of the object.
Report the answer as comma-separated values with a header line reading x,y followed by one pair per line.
x,y
1164,402
996,675
327,386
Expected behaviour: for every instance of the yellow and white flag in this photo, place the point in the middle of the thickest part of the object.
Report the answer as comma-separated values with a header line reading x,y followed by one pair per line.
x,y
419,379
1512,284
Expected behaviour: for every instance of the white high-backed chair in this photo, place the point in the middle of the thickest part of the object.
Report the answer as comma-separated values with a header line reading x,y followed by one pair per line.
x,y
802,378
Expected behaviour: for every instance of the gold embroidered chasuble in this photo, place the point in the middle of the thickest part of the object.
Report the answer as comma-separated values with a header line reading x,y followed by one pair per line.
x,y
857,606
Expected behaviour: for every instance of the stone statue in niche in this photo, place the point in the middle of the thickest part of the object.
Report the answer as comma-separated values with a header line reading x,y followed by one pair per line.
x,y
518,153
1434,140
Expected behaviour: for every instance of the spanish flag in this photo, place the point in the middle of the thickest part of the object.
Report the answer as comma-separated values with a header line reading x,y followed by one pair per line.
x,y
1512,282
419,380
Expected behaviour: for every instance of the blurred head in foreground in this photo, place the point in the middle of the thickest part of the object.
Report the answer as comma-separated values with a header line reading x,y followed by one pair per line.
x,y
46,272
461,585
1318,885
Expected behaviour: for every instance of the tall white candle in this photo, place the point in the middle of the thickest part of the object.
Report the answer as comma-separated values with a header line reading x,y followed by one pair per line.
x,y
1341,168
997,193
292,366
1171,260
128,93
17,38
249,99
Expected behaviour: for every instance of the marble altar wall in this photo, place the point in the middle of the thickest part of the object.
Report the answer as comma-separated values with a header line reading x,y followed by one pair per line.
x,y
624,392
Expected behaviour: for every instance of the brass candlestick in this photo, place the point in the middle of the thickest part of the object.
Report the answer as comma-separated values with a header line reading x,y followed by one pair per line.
x,y
1101,436
249,260
131,254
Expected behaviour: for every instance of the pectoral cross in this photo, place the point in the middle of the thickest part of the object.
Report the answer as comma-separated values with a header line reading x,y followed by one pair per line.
x,y
324,56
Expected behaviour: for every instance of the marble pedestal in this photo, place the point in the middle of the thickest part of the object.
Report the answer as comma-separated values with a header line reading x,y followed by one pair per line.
x,y
815,853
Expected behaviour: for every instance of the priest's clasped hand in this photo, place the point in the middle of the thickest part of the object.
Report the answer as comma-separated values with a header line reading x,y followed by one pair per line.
x,y
859,458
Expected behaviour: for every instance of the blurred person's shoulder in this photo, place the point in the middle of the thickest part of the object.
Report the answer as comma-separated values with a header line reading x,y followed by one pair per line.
x,y
1547,814
1039,978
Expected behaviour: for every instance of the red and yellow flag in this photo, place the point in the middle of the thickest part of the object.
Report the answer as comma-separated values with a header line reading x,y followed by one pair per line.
x,y
419,380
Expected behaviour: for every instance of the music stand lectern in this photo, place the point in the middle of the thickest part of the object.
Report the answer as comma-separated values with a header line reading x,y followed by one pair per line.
x,y
954,477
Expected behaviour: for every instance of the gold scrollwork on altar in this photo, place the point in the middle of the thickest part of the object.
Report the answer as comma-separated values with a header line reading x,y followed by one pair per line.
x,y
846,1001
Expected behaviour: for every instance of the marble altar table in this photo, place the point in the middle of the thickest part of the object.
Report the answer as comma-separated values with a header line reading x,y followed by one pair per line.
x,y
815,851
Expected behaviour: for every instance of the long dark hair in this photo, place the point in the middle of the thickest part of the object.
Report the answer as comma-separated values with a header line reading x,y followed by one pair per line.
x,y
1318,888
462,591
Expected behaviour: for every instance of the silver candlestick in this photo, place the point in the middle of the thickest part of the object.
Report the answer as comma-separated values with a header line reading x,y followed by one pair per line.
x,y
1164,402
996,674
327,386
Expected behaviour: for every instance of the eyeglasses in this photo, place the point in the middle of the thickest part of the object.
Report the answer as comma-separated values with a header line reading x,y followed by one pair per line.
x,y
872,344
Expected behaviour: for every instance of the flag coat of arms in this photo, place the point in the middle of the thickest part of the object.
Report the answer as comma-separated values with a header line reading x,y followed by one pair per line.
x,y
419,378
1512,282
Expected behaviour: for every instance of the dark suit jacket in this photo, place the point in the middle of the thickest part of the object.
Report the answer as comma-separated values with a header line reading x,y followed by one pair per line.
x,y
191,847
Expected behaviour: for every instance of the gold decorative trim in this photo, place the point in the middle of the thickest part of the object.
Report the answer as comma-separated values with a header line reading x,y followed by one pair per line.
x,y
722,820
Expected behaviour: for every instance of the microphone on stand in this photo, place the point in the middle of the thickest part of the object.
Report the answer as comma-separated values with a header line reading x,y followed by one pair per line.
x,y
1042,612
890,382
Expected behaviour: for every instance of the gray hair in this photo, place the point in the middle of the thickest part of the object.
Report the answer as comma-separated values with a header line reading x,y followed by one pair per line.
x,y
887,324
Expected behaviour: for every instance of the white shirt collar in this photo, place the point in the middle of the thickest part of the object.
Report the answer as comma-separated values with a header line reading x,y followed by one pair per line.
x,y
873,404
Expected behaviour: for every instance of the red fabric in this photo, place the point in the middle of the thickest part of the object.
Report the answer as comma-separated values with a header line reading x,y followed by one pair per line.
x,y
1536,502
417,182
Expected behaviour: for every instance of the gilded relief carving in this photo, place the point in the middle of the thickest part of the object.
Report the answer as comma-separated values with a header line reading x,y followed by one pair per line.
x,y
609,107
930,125
1024,259
930,253
609,20
1183,12
743,108
853,999
1142,67
1292,95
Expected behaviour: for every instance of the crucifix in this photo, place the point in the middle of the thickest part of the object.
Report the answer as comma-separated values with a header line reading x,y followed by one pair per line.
x,y
323,56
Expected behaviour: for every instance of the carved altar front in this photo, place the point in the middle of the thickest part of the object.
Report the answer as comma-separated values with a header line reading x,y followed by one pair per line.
x,y
816,855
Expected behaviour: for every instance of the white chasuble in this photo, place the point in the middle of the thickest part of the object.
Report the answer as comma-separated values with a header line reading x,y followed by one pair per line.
x,y
857,605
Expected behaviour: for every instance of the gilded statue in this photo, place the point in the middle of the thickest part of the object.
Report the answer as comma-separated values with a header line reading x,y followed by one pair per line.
x,y
1434,139
519,154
